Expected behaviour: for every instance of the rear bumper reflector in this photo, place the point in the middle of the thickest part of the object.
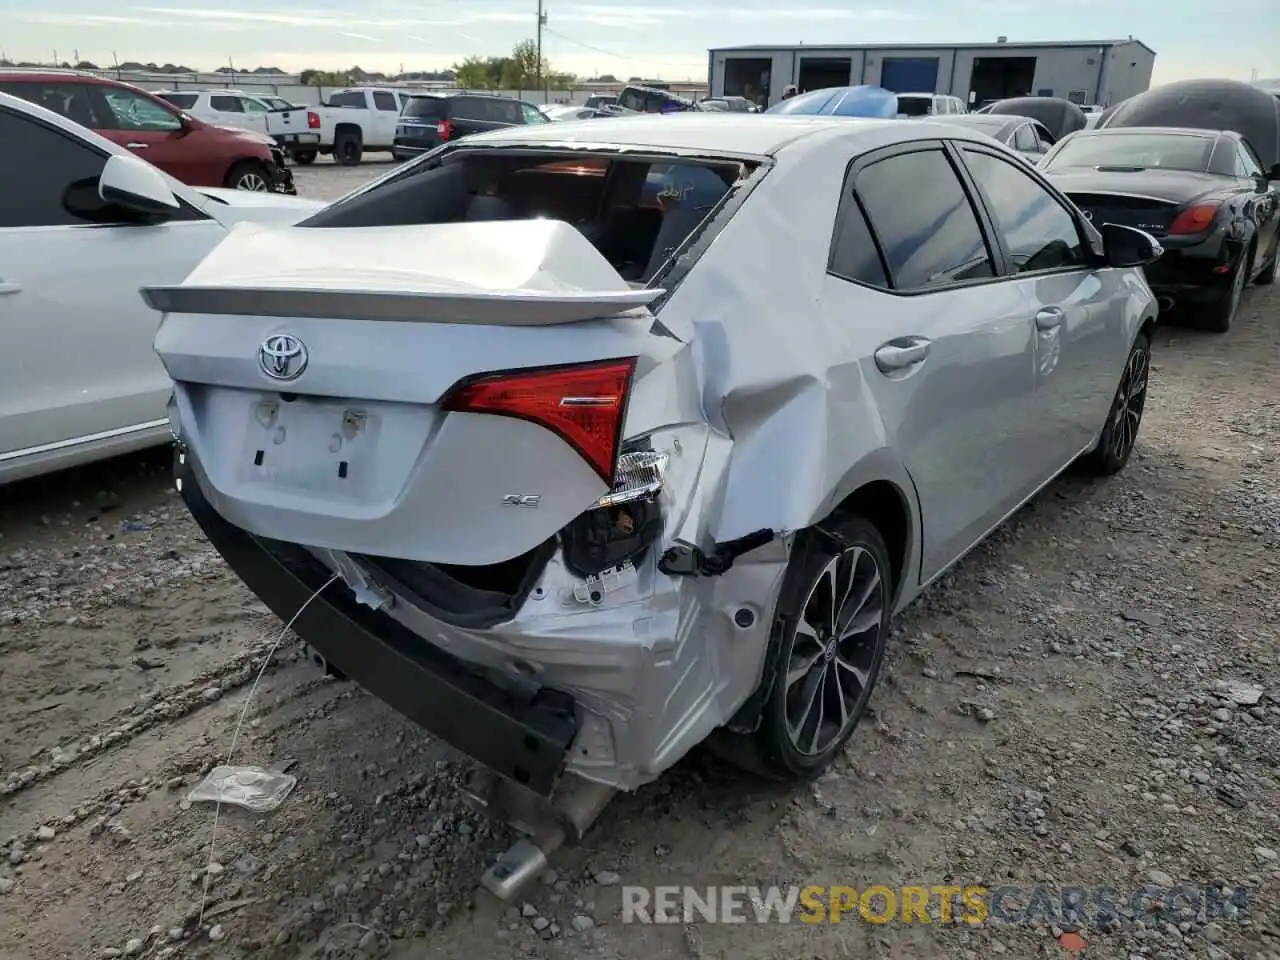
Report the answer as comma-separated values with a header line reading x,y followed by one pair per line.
x,y
524,741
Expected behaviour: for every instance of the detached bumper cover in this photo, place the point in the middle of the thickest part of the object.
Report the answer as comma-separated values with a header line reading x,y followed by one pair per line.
x,y
524,741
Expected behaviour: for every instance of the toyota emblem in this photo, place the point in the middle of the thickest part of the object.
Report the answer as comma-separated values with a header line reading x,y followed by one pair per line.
x,y
282,356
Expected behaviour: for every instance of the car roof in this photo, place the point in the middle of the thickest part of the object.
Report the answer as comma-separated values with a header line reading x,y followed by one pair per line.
x,y
1164,131
982,121
707,134
449,94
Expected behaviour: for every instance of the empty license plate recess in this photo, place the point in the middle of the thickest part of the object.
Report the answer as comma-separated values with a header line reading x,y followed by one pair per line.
x,y
322,447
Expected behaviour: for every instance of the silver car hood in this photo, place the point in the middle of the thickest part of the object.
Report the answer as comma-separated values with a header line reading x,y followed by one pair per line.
x,y
513,273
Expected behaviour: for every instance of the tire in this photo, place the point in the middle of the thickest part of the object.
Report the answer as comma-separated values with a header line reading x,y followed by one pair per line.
x,y
1218,318
792,743
347,148
305,157
1124,418
1268,274
249,175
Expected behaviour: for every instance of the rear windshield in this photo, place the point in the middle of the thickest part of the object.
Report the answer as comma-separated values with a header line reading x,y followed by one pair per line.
x,y
635,212
428,108
348,98
183,101
1169,151
915,106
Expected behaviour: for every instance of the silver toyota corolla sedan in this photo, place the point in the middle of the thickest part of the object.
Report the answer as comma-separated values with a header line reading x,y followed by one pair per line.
x,y
601,440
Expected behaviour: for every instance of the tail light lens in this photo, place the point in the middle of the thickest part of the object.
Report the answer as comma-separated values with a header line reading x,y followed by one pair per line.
x,y
1194,220
444,129
313,120
585,405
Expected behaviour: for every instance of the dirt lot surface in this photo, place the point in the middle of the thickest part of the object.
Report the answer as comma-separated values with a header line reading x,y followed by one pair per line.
x,y
1050,714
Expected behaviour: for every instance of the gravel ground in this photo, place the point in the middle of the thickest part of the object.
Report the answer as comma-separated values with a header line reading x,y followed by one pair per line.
x,y
1050,714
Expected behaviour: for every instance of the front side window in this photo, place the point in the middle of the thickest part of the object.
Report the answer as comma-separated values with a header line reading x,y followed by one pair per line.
x,y
532,114
1038,231
926,225
226,104
1249,161
40,165
1024,139
132,111
253,106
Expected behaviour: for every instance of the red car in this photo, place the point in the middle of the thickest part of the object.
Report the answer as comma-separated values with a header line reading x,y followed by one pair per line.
x,y
197,153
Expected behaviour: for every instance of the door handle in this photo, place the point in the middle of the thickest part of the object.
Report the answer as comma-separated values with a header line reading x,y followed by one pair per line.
x,y
9,288
1050,318
902,353
136,146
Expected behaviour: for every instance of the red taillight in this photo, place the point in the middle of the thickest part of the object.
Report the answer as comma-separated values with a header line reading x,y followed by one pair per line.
x,y
1195,219
584,405
313,120
444,129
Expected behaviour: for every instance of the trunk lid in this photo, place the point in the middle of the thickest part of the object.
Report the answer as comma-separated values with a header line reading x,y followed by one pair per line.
x,y
1146,199
312,370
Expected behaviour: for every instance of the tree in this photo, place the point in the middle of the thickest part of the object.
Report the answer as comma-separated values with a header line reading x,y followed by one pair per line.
x,y
473,74
522,70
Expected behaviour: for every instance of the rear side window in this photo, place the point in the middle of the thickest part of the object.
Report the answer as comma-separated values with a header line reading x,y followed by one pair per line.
x,y
183,101
853,253
383,100
1037,229
426,108
226,104
923,218
532,114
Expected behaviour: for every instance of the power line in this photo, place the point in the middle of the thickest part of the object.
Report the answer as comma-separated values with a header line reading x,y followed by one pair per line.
x,y
587,46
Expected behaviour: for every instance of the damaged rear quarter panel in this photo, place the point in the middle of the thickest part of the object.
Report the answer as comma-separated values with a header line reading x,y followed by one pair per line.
x,y
779,373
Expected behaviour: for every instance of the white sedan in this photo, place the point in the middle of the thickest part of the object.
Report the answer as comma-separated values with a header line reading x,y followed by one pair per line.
x,y
83,225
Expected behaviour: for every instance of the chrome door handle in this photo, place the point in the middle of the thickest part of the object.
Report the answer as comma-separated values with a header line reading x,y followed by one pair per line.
x,y
1050,318
9,288
901,353
136,146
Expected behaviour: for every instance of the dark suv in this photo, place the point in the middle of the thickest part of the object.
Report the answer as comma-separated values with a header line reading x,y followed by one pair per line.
x,y
428,120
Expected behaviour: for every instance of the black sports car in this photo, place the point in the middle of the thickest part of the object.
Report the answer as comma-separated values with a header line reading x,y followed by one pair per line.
x,y
1205,195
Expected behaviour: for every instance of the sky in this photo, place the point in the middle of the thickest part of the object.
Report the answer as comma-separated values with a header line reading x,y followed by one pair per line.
x,y
664,39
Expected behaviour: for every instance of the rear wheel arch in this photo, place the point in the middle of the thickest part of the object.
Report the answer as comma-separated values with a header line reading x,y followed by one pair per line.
x,y
885,505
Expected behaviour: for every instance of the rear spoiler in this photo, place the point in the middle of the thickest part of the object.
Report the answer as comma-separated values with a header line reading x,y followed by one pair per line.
x,y
509,273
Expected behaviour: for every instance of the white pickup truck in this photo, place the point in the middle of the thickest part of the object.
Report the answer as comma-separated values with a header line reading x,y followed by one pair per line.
x,y
295,128
359,119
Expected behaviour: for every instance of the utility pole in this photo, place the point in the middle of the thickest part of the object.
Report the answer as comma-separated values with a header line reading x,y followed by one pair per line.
x,y
542,19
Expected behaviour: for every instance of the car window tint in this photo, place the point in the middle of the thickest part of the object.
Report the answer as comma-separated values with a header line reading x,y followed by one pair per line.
x,y
853,253
349,98
1037,229
429,108
253,106
924,220
469,108
226,104
71,100
1024,138
131,111
40,164
383,100
183,101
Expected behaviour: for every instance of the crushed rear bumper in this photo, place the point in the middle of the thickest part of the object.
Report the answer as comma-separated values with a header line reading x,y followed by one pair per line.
x,y
525,741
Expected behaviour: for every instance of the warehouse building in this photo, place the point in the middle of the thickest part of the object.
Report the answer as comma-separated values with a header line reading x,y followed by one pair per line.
x,y
1098,71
